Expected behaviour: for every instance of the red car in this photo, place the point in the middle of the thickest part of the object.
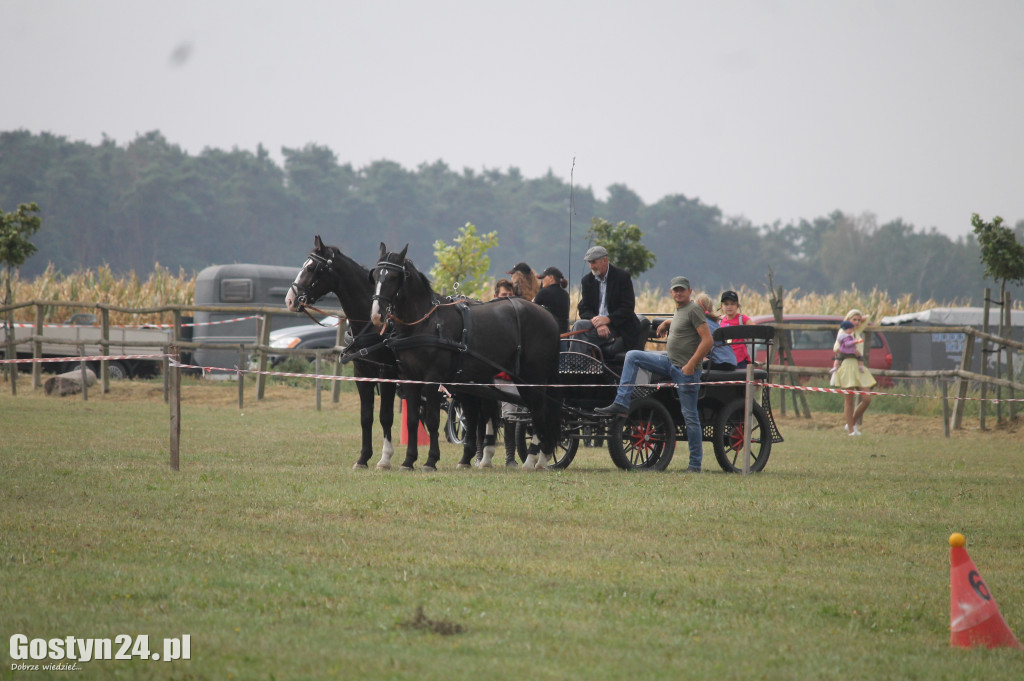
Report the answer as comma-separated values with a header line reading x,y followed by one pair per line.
x,y
813,348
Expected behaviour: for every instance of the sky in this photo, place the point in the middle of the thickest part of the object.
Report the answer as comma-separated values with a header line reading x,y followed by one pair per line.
x,y
771,110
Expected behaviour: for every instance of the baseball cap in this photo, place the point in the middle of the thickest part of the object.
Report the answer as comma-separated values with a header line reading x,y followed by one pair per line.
x,y
595,253
730,295
521,267
553,271
679,282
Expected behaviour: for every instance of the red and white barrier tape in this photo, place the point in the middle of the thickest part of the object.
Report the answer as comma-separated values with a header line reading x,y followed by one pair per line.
x,y
331,377
845,391
780,386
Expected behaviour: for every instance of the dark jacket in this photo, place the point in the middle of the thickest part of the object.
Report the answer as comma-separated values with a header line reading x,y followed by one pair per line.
x,y
620,300
556,300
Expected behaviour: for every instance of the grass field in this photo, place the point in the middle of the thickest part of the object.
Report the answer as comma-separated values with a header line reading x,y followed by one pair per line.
x,y
281,562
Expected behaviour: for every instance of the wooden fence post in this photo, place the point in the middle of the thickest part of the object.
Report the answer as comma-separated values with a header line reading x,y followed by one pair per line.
x,y
748,408
241,375
317,384
338,367
965,365
945,407
174,380
105,349
12,353
984,359
82,368
261,379
37,350
786,358
1008,325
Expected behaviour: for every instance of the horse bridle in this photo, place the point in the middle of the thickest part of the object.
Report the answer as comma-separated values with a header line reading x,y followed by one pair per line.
x,y
386,265
302,292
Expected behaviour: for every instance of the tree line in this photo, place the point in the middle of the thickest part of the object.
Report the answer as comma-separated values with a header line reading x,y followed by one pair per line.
x,y
148,201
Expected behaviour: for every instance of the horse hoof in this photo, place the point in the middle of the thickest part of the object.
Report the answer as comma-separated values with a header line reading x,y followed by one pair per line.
x,y
462,466
358,466
429,469
383,467
407,468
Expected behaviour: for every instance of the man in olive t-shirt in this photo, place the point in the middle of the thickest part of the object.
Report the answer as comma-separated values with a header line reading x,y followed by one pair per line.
x,y
689,339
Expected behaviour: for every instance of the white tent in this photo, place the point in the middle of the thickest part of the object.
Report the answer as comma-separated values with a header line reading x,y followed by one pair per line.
x,y
955,316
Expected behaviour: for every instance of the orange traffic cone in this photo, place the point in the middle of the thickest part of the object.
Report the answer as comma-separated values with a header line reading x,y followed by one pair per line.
x,y
974,618
403,435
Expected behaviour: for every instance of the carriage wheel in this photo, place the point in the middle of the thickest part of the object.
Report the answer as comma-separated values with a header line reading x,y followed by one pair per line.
x,y
728,438
645,439
455,428
565,452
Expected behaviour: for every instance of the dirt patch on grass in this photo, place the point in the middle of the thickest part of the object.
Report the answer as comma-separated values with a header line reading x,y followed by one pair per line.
x,y
442,627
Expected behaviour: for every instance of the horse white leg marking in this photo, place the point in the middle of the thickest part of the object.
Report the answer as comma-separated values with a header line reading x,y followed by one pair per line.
x,y
485,462
531,463
541,460
386,452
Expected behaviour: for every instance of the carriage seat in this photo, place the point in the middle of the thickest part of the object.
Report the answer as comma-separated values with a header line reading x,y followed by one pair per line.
x,y
717,375
616,350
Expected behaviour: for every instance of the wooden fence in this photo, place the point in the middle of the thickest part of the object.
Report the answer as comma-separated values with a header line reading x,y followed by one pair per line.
x,y
260,350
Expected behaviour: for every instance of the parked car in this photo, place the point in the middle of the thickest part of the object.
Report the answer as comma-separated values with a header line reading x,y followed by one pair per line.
x,y
813,347
306,336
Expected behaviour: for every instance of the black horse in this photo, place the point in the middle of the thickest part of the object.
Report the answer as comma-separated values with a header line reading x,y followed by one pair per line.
x,y
327,269
460,342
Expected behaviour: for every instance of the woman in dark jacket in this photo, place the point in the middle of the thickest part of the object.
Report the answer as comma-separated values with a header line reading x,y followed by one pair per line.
x,y
554,296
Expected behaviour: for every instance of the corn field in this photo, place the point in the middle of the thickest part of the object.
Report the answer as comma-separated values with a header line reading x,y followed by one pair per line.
x,y
162,287
101,286
874,304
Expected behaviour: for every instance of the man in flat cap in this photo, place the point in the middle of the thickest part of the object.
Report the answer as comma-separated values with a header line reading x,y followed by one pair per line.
x,y
607,307
689,339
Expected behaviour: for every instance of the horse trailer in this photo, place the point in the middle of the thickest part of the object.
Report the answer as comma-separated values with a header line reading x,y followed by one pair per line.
x,y
240,286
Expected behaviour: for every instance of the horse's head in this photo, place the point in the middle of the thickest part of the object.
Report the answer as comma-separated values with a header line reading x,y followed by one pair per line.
x,y
388,277
315,279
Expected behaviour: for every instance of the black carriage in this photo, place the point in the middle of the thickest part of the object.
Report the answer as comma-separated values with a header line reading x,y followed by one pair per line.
x,y
645,438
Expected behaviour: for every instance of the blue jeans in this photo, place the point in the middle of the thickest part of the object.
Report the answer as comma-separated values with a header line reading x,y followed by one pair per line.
x,y
659,363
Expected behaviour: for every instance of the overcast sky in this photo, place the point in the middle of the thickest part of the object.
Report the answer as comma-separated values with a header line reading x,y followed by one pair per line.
x,y
771,110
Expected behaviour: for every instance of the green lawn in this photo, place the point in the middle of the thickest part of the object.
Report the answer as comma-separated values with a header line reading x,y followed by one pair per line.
x,y
281,562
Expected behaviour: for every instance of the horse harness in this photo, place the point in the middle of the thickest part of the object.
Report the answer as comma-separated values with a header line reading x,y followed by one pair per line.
x,y
396,343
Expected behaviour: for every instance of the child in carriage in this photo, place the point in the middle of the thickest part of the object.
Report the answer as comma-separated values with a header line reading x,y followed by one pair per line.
x,y
733,317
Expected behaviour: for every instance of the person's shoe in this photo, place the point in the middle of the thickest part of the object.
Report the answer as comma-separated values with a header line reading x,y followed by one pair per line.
x,y
856,431
613,409
692,469
846,427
